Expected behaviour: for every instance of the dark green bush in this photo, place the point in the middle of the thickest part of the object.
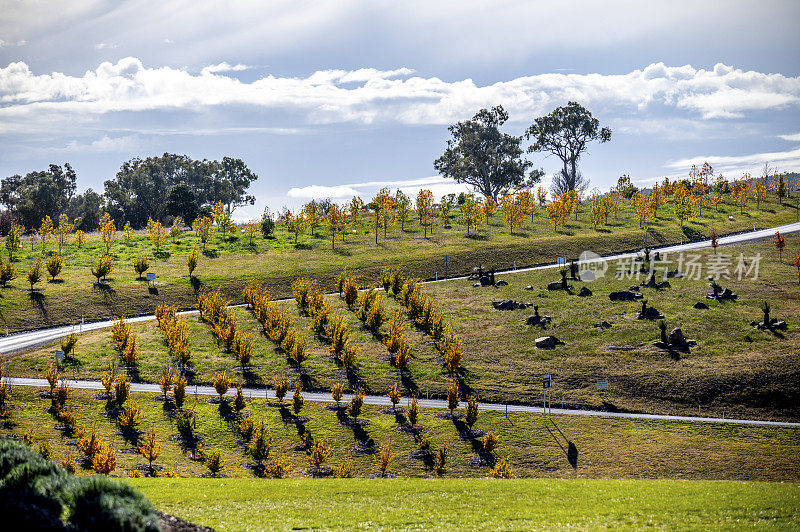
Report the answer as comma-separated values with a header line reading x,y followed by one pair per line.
x,y
99,503
35,494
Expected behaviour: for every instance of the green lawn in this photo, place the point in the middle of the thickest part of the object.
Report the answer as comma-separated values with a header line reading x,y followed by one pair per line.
x,y
734,370
487,504
233,262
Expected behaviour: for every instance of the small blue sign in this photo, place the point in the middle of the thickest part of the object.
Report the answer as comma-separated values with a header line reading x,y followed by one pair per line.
x,y
561,261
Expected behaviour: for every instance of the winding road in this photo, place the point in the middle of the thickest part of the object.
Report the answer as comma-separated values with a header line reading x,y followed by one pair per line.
x,y
30,339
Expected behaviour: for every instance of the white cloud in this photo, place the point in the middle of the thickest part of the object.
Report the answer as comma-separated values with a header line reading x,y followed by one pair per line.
x,y
224,67
793,137
105,144
103,45
437,184
380,96
782,160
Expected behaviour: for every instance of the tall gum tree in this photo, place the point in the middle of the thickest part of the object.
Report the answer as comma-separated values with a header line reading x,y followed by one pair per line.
x,y
480,155
566,133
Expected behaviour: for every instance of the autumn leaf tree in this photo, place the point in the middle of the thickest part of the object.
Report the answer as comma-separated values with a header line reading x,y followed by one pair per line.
x,y
424,206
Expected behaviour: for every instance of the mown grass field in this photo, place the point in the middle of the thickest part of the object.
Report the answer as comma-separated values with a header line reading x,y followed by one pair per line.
x,y
565,447
734,370
233,262
542,504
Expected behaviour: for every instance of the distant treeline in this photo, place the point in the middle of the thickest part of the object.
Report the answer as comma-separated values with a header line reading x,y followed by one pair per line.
x,y
156,187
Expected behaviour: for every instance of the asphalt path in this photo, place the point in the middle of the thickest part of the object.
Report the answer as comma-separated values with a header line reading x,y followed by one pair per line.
x,y
27,340
381,400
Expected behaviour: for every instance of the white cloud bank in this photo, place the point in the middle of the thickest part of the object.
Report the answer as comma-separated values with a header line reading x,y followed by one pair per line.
x,y
373,96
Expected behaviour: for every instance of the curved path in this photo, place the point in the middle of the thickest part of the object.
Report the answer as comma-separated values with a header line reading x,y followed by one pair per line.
x,y
382,400
26,340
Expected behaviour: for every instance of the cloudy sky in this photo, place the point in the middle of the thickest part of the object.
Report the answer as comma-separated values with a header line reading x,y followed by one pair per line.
x,y
330,99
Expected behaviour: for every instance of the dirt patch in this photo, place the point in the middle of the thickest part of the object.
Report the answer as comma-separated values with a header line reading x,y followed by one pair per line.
x,y
170,523
450,416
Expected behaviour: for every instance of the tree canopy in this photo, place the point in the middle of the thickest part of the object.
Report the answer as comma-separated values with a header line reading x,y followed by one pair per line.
x,y
142,189
566,132
480,155
38,194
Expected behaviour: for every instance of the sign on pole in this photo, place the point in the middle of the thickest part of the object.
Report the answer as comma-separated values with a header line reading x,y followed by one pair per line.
x,y
561,261
59,356
151,276
547,381
602,385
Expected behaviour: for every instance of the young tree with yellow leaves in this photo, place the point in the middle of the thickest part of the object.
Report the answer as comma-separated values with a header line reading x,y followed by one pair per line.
x,y
63,231
557,213
402,204
313,215
336,223
157,234
541,195
222,217
384,210
488,208
294,224
682,203
470,213
641,207
354,207
204,228
740,191
759,193
108,231
513,210
424,206
45,231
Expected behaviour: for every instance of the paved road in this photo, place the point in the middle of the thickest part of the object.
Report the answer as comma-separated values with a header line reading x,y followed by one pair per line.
x,y
27,340
381,400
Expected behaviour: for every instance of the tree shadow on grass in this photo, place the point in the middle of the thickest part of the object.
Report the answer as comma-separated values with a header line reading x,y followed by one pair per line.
x,y
571,451
343,252
37,298
211,253
478,237
196,283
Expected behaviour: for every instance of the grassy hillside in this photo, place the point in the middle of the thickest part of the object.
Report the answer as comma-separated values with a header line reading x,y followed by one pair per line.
x,y
734,370
232,261
476,505
564,447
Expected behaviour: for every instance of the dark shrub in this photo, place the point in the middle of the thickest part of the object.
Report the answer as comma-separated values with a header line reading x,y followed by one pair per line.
x,y
99,503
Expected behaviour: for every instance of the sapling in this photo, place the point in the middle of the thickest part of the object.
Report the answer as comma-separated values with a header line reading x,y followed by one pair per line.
x,y
297,400
413,411
662,327
452,396
179,392
122,388
336,392
440,460
472,410
394,396
281,385
150,449
356,402
221,384
384,458
239,402
34,273
214,463
318,453
765,308
54,266
490,442
140,265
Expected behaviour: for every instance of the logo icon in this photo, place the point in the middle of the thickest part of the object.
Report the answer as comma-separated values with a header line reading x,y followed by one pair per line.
x,y
591,266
